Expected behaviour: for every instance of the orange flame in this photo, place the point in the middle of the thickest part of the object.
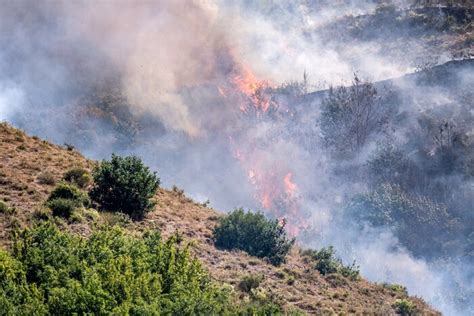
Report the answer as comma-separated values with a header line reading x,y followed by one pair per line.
x,y
275,188
254,89
246,82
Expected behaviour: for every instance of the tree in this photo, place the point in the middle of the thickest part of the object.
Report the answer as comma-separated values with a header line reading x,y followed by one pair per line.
x,y
350,115
124,184
253,233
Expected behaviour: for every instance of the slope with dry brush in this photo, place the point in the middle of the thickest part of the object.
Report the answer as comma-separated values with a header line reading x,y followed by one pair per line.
x,y
29,168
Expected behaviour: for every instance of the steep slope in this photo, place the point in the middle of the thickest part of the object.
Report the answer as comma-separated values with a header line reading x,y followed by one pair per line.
x,y
30,166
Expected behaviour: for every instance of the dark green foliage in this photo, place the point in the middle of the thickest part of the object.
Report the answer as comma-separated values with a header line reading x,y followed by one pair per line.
x,y
56,273
326,262
124,184
78,176
63,207
65,199
69,192
253,233
250,282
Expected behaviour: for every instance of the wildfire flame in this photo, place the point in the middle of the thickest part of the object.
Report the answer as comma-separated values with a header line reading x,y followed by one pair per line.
x,y
254,89
275,188
290,186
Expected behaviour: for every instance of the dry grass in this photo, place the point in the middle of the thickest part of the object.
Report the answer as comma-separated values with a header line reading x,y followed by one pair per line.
x,y
295,284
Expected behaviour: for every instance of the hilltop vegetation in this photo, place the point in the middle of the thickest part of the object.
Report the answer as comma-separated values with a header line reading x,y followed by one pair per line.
x,y
97,253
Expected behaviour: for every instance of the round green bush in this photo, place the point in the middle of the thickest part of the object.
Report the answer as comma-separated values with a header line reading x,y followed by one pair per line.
x,y
126,185
63,207
254,234
69,192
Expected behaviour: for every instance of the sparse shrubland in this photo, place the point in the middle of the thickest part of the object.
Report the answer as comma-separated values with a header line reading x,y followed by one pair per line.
x,y
126,185
253,233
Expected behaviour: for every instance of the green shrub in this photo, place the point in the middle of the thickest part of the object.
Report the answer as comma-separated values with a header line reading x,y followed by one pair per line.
x,y
41,213
78,176
250,282
326,262
397,288
65,199
63,207
69,192
405,307
253,233
126,185
57,273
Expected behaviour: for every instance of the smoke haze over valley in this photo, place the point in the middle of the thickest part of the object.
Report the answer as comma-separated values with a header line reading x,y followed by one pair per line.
x,y
352,121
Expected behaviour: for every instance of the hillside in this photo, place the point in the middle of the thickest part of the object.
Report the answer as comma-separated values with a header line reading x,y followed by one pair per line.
x,y
29,163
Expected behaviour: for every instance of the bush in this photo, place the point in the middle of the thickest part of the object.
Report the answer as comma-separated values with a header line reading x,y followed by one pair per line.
x,y
78,176
405,307
253,233
397,288
63,207
66,198
326,262
351,115
124,184
109,273
250,282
